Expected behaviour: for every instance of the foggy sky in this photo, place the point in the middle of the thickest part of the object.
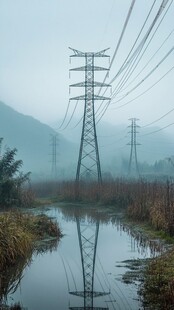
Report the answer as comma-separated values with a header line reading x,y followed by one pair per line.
x,y
34,56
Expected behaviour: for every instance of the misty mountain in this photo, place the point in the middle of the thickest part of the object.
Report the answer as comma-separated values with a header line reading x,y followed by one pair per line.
x,y
113,143
33,142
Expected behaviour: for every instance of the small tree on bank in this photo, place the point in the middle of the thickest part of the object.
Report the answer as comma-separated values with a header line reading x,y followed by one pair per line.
x,y
11,179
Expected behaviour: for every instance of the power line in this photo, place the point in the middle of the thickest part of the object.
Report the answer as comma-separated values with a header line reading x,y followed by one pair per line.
x,y
158,119
137,39
148,75
120,38
67,109
143,92
134,64
108,20
139,48
150,59
78,123
116,49
152,132
105,108
122,33
71,116
128,102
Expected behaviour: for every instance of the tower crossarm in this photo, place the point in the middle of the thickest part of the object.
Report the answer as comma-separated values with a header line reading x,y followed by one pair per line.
x,y
95,84
95,97
89,293
88,308
84,54
86,68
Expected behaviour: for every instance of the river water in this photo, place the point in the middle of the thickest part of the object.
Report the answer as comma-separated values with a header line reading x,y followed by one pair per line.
x,y
97,250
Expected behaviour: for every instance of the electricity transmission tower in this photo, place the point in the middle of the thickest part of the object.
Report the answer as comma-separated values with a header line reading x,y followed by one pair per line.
x,y
88,166
88,236
54,143
133,169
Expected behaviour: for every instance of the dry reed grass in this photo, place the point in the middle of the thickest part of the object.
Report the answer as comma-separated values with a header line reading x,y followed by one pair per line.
x,y
18,233
151,202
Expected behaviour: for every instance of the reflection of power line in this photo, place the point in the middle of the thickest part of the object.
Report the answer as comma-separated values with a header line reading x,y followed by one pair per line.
x,y
89,163
133,162
88,237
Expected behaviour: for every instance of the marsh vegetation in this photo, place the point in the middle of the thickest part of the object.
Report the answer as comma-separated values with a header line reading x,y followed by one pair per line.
x,y
145,204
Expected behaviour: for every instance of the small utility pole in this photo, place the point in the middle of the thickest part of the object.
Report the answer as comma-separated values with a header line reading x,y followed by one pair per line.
x,y
133,169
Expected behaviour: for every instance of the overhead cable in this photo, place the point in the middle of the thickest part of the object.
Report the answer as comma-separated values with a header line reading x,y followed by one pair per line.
x,y
120,38
71,116
162,7
158,119
147,17
144,91
149,60
153,70
67,109
107,104
78,123
136,61
155,131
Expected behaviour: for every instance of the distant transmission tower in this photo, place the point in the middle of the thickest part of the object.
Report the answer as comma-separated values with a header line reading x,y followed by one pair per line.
x,y
54,143
133,169
88,166
88,236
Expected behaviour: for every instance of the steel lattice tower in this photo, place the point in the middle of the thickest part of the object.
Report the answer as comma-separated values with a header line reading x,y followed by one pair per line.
x,y
133,169
88,166
54,142
88,236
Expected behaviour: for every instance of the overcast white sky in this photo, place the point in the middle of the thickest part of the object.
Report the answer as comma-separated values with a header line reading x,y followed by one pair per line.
x,y
34,56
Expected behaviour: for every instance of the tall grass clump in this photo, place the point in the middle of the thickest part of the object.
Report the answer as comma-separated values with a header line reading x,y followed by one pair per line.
x,y
19,233
158,287
15,240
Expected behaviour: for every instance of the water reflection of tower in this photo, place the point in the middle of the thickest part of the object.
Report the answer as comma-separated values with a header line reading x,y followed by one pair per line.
x,y
88,237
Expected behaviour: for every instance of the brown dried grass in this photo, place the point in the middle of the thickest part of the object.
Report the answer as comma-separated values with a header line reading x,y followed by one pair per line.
x,y
18,233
